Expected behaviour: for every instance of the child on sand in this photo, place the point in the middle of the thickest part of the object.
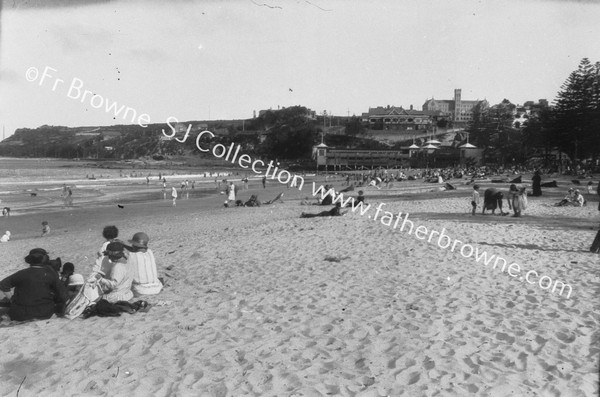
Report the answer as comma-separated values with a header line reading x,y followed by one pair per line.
x,y
475,201
45,228
5,238
110,234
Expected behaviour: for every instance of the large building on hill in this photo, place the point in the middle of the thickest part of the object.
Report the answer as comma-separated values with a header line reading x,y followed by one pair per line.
x,y
396,118
459,111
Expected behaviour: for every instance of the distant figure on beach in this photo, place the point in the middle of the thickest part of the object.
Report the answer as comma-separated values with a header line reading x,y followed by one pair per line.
x,y
475,200
45,228
116,285
193,184
147,180
517,199
231,192
142,266
245,180
264,182
174,195
492,199
69,197
590,187
335,211
569,199
6,211
360,198
164,184
537,184
5,238
37,289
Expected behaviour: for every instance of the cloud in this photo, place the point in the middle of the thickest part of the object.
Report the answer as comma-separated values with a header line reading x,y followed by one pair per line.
x,y
28,4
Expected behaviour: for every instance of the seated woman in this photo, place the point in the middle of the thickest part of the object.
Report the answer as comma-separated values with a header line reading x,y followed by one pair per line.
x,y
568,200
37,289
142,266
116,284
335,211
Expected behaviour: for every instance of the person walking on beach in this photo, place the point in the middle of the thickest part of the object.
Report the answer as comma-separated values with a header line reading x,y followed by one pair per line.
x,y
174,195
69,197
264,182
475,201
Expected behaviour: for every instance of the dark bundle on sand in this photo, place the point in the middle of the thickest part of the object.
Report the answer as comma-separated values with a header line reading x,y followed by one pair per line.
x,y
517,180
499,180
576,182
348,189
549,184
449,186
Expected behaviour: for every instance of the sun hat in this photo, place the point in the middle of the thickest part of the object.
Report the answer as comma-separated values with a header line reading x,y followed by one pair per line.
x,y
76,279
114,247
140,240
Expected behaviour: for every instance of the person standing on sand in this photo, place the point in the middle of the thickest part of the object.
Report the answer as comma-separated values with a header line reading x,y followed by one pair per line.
x,y
231,192
537,184
174,195
475,201
264,182
516,200
37,289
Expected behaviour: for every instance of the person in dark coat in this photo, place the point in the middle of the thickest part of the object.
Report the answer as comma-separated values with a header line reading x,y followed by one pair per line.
x,y
537,184
37,289
492,199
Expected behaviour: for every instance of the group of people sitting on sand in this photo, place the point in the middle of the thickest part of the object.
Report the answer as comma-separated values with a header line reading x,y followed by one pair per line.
x,y
573,198
122,272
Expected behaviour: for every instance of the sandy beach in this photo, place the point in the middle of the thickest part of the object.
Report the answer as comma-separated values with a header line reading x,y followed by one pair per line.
x,y
259,302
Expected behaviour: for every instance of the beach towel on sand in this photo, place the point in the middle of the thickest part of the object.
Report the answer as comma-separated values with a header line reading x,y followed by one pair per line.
x,y
89,294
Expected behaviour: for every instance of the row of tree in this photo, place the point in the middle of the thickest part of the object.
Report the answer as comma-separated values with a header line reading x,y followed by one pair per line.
x,y
571,126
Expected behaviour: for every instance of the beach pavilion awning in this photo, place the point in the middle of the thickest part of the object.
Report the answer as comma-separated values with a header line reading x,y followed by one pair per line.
x,y
413,146
430,146
468,146
433,142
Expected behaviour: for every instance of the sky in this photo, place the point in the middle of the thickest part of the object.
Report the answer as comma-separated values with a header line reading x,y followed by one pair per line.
x,y
209,59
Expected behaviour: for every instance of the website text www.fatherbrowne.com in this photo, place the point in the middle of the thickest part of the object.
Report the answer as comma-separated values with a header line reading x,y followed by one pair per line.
x,y
245,161
441,238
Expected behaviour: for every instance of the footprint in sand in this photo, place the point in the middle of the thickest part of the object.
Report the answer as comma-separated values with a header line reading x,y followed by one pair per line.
x,y
566,338
505,337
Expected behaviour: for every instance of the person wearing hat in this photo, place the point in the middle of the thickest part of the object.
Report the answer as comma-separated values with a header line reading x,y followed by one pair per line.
x,y
37,289
116,283
142,265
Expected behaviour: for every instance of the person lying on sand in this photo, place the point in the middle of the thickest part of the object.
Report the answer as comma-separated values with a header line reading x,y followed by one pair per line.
x,y
335,211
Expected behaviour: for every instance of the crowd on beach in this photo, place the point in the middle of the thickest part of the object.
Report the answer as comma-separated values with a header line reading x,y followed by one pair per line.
x,y
47,288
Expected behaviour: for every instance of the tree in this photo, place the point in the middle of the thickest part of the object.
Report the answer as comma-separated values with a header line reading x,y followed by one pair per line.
x,y
575,121
354,126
